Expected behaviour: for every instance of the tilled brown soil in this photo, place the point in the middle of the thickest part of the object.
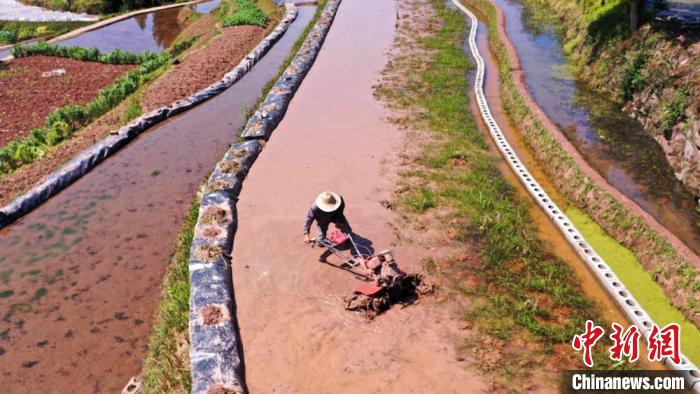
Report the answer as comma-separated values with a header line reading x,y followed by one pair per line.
x,y
27,98
203,66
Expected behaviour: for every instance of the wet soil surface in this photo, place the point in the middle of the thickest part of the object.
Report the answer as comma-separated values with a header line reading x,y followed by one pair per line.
x,y
296,335
27,98
80,276
204,66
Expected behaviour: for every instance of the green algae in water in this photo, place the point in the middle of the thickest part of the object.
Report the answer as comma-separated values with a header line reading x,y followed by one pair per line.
x,y
6,293
31,273
40,293
5,276
647,292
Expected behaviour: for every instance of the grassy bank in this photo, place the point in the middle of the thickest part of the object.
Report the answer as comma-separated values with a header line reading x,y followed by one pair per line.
x,y
515,290
166,368
676,276
647,292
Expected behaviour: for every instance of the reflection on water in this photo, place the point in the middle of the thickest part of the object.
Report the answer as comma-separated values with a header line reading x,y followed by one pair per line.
x,y
80,275
153,31
613,143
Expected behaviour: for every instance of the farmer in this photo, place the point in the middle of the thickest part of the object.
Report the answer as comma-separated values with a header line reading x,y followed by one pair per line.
x,y
326,209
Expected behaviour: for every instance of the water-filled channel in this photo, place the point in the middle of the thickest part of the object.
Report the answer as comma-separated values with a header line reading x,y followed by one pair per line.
x,y
611,142
80,276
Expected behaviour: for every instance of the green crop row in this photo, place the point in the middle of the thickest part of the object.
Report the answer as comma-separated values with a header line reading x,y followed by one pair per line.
x,y
16,31
62,123
84,54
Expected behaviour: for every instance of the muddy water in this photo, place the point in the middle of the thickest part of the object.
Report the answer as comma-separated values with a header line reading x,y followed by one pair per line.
x,y
153,31
614,144
80,276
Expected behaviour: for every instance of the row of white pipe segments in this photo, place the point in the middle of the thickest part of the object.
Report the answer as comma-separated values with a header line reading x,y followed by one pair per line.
x,y
631,308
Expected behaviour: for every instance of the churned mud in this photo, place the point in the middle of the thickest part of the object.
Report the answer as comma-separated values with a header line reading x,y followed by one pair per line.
x,y
297,336
27,98
80,276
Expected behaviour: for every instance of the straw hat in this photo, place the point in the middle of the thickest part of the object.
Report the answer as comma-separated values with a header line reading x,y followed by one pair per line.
x,y
328,201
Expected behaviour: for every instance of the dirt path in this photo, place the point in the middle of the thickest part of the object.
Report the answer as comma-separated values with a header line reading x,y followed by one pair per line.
x,y
296,335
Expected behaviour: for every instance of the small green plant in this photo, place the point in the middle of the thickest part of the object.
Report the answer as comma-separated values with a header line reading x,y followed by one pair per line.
x,y
154,172
164,370
675,109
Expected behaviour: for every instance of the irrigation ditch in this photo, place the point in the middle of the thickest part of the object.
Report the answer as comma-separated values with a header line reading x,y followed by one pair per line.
x,y
215,345
664,257
614,286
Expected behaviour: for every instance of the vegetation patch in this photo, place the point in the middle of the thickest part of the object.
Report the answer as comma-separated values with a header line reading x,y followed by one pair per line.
x,y
246,13
241,12
515,288
167,367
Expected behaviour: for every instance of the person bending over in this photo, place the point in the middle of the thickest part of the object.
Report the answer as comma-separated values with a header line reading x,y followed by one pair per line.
x,y
327,208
